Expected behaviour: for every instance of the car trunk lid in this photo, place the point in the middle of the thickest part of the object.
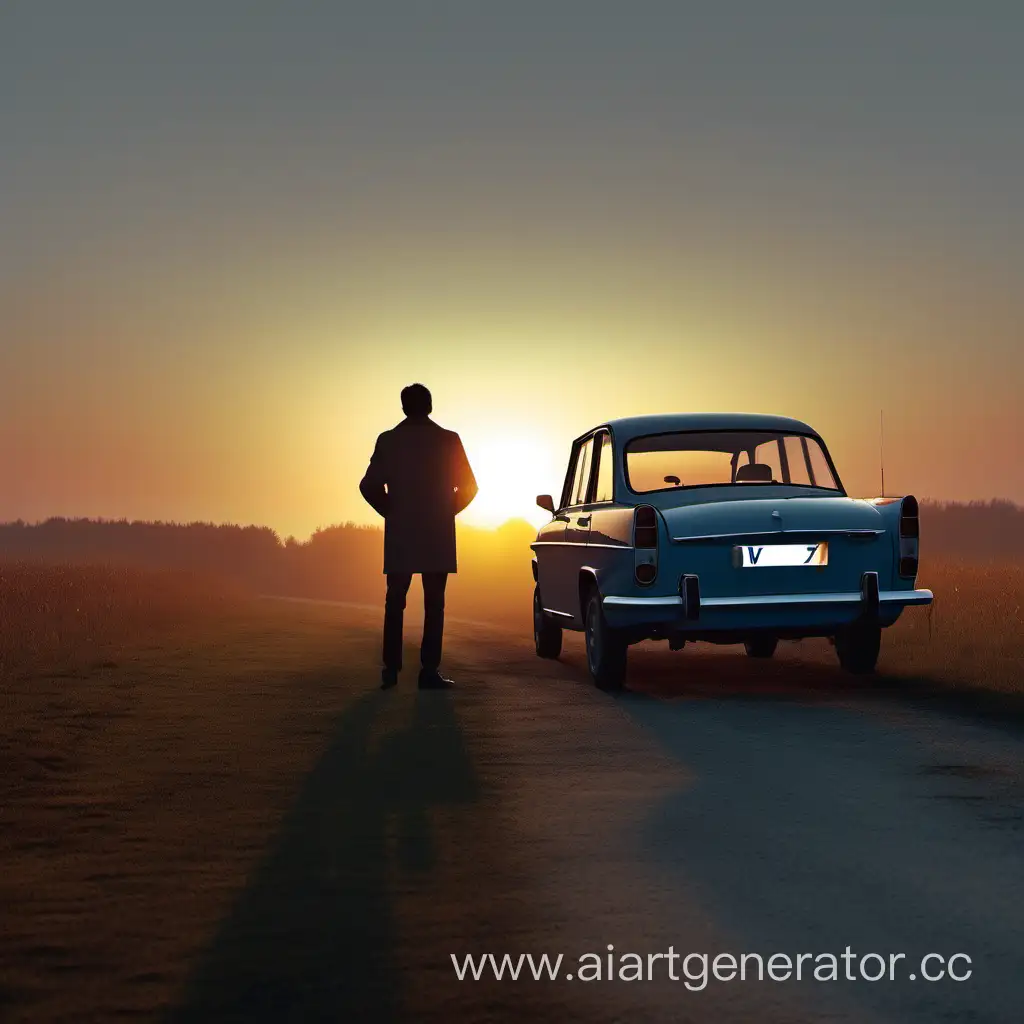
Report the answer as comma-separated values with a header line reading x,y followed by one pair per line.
x,y
704,538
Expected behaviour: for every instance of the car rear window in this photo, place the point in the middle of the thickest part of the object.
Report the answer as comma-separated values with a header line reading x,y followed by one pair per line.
x,y
660,462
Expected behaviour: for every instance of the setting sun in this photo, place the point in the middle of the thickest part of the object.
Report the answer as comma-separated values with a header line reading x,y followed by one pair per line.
x,y
511,472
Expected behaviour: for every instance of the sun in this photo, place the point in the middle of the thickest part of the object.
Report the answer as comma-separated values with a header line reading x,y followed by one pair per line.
x,y
511,471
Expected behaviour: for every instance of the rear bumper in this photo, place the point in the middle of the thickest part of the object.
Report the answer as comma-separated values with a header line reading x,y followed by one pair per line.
x,y
815,612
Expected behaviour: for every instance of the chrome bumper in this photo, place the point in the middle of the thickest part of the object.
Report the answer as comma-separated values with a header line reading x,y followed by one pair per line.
x,y
886,597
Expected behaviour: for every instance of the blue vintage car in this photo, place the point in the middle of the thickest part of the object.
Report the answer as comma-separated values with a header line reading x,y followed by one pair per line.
x,y
720,527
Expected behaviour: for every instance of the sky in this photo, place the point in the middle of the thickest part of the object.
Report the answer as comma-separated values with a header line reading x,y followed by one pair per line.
x,y
231,232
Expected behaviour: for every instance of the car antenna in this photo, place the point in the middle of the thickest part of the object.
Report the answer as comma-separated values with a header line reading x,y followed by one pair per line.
x,y
881,456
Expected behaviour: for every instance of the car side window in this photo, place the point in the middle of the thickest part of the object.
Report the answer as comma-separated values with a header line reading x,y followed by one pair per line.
x,y
820,471
572,476
582,481
603,490
798,460
570,480
569,488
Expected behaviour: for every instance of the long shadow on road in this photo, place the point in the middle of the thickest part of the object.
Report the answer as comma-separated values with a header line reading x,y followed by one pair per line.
x,y
313,936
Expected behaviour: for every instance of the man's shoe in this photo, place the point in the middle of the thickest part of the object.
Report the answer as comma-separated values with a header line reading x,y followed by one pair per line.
x,y
434,681
388,678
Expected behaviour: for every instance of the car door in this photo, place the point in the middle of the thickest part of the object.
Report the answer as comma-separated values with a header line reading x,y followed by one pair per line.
x,y
550,547
557,565
577,528
609,534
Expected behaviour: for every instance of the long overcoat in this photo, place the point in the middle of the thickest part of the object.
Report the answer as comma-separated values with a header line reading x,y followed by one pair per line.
x,y
419,479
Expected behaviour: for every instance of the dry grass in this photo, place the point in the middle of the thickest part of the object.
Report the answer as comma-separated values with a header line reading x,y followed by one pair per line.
x,y
154,731
972,637
66,619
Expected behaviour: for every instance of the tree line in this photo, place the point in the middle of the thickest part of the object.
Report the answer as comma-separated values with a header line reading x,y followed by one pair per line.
x,y
341,561
344,560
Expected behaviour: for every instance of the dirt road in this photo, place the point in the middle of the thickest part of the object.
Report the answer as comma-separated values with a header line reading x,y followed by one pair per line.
x,y
721,806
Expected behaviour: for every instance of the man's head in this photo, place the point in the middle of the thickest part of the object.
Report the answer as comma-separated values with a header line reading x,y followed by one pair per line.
x,y
416,401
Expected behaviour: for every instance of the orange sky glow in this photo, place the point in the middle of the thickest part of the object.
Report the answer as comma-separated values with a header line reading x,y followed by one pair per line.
x,y
277,428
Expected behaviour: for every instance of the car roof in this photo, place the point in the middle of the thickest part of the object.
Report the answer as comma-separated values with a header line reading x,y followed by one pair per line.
x,y
628,427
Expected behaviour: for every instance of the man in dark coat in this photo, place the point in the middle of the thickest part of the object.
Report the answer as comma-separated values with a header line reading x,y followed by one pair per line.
x,y
419,480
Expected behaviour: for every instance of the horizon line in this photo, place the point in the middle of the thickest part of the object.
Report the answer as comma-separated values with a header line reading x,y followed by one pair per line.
x,y
357,524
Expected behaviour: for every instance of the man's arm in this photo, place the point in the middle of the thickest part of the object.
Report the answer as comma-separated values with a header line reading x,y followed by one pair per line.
x,y
465,483
372,486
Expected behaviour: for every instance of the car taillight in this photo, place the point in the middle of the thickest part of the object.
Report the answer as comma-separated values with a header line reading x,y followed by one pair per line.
x,y
645,545
910,529
645,527
645,572
909,524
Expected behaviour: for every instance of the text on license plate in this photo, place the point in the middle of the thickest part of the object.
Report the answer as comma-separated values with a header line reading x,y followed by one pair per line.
x,y
751,555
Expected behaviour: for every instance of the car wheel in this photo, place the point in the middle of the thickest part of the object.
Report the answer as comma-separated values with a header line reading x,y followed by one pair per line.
x,y
761,646
857,647
606,648
547,637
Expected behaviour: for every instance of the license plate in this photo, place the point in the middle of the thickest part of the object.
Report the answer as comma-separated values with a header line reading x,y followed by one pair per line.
x,y
748,556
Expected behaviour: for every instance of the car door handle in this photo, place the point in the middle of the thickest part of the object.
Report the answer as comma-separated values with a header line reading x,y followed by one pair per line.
x,y
583,521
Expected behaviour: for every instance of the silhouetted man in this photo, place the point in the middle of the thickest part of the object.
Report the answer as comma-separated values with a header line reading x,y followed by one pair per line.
x,y
419,480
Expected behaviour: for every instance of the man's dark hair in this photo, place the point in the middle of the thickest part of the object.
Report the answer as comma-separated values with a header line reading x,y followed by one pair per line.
x,y
416,400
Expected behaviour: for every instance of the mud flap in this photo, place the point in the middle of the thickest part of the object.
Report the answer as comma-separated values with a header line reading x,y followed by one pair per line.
x,y
869,597
689,591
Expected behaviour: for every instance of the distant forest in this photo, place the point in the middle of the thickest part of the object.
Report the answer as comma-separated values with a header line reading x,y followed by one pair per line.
x,y
341,562
344,561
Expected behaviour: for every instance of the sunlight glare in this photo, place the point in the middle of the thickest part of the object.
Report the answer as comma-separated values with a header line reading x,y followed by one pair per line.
x,y
511,472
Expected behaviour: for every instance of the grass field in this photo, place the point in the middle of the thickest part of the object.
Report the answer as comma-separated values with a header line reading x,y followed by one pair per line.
x,y
136,706
971,638
69,619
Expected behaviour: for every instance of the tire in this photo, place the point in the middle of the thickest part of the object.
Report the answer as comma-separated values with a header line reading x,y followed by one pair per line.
x,y
857,647
606,647
761,646
547,637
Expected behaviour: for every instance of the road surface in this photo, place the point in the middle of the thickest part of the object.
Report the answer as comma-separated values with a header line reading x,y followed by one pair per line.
x,y
722,805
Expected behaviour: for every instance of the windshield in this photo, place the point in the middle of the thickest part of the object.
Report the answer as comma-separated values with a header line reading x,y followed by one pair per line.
x,y
716,458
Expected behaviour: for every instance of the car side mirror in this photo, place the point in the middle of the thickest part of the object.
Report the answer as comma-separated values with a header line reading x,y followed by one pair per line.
x,y
546,502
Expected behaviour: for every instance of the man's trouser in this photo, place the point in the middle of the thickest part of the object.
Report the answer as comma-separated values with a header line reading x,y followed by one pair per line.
x,y
434,584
